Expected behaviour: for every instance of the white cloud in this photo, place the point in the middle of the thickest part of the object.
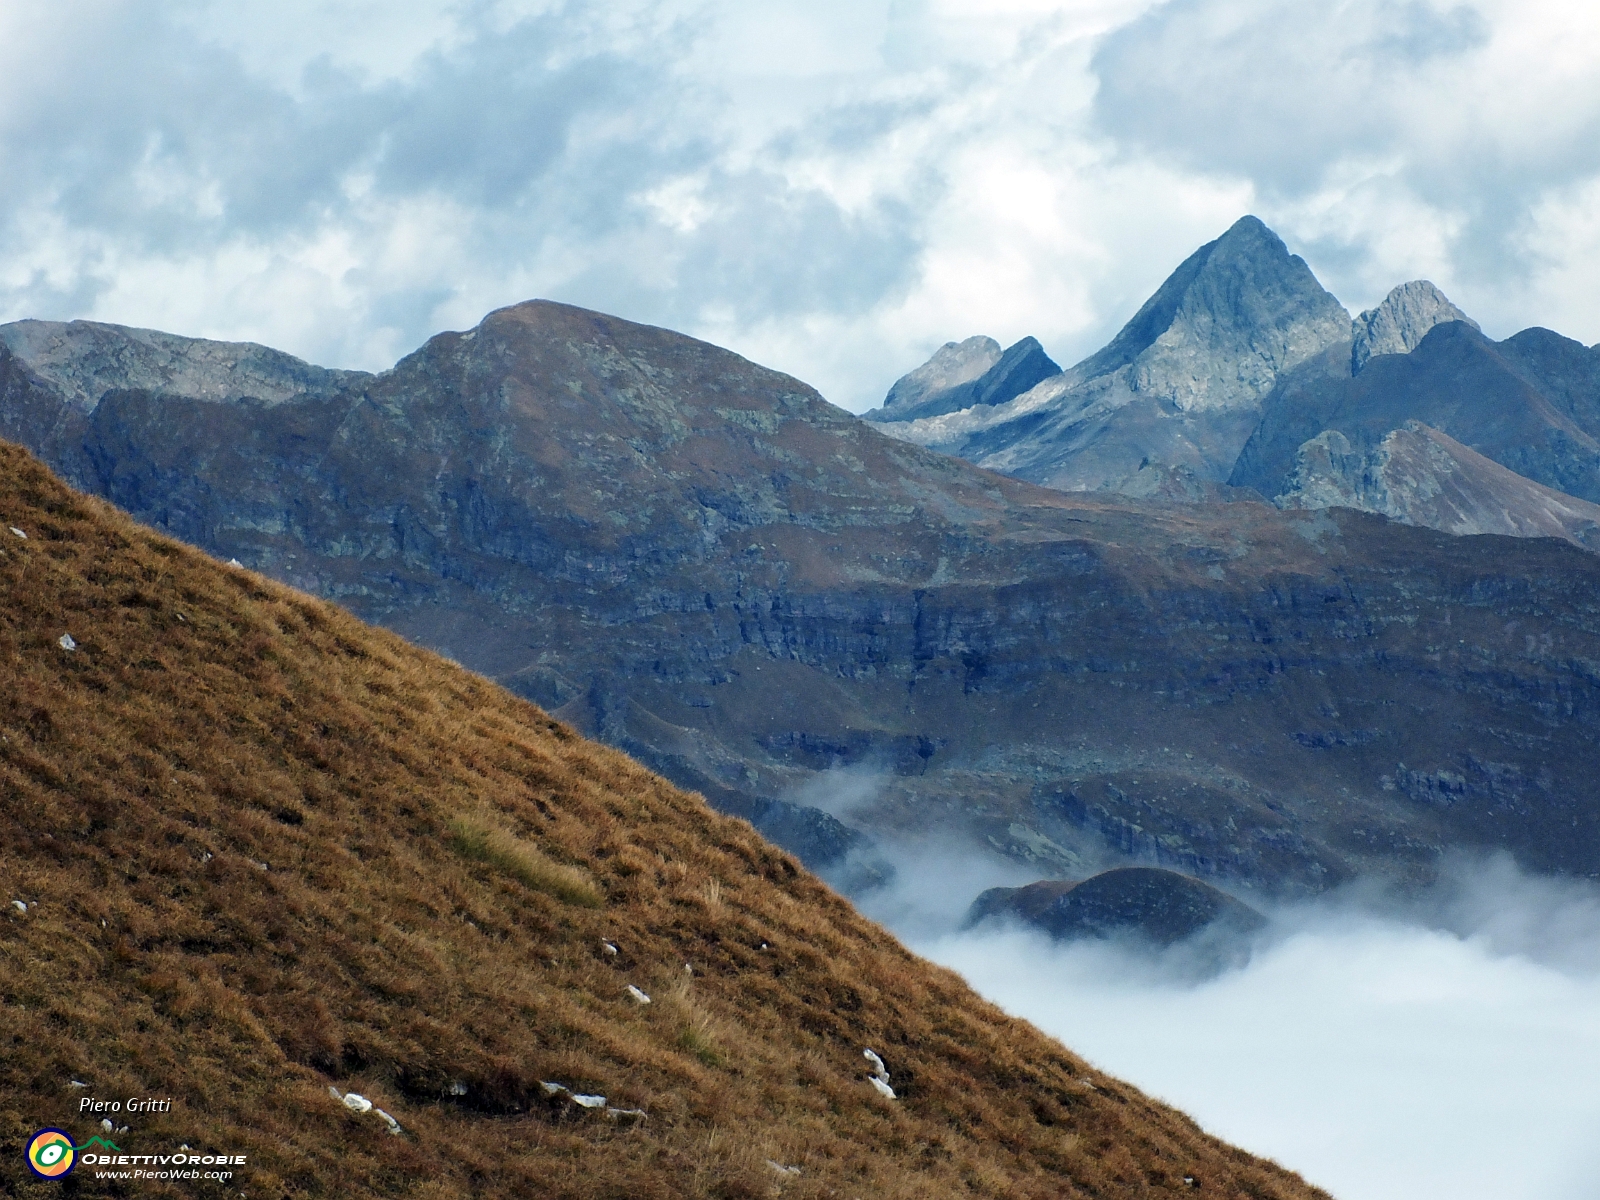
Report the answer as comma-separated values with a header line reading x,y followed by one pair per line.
x,y
1385,1052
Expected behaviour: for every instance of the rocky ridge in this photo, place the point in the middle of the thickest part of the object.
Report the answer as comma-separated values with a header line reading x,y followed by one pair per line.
x,y
1008,375
702,562
1238,380
1421,476
1398,325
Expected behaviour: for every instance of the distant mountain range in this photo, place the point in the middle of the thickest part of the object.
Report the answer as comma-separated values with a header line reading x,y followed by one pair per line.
x,y
843,636
1242,372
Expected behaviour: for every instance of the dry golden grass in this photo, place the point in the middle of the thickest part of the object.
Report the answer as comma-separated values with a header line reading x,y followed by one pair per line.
x,y
481,840
268,850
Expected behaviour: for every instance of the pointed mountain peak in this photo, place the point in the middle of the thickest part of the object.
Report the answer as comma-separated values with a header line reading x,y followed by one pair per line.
x,y
1398,325
1244,282
1023,365
952,364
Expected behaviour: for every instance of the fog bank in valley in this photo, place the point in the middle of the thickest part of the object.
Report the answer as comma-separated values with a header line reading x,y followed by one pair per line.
x,y
1386,1047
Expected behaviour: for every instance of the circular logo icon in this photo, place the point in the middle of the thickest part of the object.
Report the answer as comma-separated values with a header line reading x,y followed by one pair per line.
x,y
50,1154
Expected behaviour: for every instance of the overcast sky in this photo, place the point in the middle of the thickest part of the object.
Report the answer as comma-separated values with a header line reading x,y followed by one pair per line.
x,y
832,188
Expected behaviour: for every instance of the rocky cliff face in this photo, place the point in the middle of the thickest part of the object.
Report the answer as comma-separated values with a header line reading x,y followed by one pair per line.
x,y
704,563
1180,386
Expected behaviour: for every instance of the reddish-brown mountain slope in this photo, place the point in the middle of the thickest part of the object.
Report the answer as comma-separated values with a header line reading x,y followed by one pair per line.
x,y
261,850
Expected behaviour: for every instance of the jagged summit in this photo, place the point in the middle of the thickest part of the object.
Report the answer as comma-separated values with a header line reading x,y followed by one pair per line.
x,y
1179,386
952,365
1006,377
1242,299
1491,397
1398,325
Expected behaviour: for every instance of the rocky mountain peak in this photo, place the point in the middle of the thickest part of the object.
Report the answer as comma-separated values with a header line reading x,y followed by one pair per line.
x,y
1007,376
952,364
1180,386
1215,335
1398,325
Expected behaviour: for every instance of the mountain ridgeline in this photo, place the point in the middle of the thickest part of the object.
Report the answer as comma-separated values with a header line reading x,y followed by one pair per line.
x,y
1242,374
701,562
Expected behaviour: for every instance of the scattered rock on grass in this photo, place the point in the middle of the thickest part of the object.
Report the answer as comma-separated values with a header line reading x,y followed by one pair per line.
x,y
561,1092
394,1126
66,643
19,906
19,533
638,996
880,1075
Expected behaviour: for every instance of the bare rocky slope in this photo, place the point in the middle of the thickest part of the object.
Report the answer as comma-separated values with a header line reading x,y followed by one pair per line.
x,y
381,929
702,562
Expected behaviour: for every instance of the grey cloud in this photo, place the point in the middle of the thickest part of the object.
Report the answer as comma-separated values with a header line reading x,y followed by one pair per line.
x,y
1287,95
1272,89
1416,33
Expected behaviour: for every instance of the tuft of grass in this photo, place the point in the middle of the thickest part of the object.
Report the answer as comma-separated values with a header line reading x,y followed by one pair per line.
x,y
479,841
697,1039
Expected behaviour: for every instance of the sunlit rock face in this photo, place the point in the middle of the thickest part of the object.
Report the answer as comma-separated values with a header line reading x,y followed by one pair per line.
x,y
1180,386
701,561
1423,477
952,365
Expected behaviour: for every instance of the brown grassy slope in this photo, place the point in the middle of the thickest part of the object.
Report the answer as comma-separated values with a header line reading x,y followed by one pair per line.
x,y
272,849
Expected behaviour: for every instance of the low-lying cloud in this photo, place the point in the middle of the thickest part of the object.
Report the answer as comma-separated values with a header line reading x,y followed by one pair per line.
x,y
1386,1047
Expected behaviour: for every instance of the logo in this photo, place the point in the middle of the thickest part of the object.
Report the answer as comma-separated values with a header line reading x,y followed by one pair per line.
x,y
51,1154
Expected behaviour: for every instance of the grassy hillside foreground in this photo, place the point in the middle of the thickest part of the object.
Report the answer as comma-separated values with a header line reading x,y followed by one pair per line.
x,y
265,850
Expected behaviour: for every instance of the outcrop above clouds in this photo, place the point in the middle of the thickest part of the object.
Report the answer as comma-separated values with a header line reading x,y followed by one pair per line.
x,y
382,928
1179,387
1159,906
702,562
